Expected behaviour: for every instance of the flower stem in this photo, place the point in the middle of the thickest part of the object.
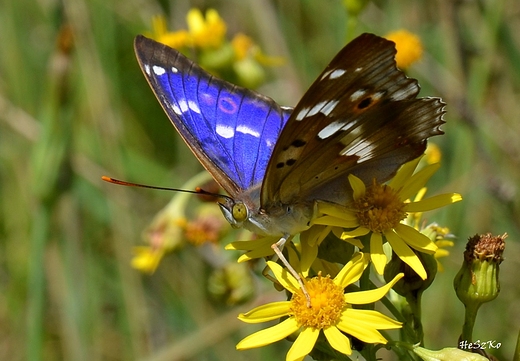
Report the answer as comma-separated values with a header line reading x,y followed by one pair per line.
x,y
414,317
470,315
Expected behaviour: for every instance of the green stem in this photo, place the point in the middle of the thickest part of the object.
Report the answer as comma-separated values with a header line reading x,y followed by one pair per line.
x,y
36,282
415,317
516,356
470,315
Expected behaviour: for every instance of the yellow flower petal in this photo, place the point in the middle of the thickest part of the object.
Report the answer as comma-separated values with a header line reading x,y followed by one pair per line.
x,y
315,235
371,318
213,17
269,335
294,259
405,253
443,243
335,210
404,173
147,259
258,248
249,245
363,324
352,271
370,296
442,253
420,194
309,254
337,222
355,242
358,232
175,39
267,312
338,340
206,32
415,239
195,20
255,254
159,25
377,255
284,277
434,202
418,180
303,344
357,185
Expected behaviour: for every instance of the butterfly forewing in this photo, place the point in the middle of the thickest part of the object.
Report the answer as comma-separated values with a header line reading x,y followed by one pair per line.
x,y
360,116
231,130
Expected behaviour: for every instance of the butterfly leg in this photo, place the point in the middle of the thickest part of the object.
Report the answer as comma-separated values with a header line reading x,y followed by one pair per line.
x,y
278,248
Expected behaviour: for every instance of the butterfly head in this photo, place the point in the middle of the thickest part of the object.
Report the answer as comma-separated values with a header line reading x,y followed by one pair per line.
x,y
236,213
274,220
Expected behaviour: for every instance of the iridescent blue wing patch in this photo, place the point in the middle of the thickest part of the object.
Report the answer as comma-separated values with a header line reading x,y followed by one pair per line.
x,y
231,130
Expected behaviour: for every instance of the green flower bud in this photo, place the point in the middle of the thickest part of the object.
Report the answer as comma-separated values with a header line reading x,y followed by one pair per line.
x,y
411,282
231,284
354,7
249,72
477,281
218,59
447,354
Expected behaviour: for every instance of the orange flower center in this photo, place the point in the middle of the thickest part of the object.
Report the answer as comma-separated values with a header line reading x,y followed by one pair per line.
x,y
327,303
203,230
380,209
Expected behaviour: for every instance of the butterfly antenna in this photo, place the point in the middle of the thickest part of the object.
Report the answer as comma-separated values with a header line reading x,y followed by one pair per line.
x,y
197,190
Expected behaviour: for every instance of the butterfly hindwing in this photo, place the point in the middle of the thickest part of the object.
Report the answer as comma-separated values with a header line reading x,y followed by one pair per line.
x,y
360,116
231,130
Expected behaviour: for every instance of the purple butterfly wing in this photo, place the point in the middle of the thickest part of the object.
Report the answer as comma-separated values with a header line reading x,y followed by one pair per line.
x,y
231,130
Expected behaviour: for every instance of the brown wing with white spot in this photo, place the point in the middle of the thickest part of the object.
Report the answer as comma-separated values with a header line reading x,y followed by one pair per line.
x,y
360,116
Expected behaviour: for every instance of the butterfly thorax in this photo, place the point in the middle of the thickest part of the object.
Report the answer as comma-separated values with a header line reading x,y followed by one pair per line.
x,y
275,219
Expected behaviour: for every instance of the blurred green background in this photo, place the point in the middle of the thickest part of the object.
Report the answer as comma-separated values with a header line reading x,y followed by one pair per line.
x,y
72,110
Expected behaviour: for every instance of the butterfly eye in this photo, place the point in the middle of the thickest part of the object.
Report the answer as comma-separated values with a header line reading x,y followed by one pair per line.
x,y
239,212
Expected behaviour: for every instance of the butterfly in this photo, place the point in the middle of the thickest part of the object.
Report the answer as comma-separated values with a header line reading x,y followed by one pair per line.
x,y
361,116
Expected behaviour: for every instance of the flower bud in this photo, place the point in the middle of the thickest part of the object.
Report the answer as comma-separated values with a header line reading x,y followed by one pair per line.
x,y
411,283
249,72
477,281
447,354
231,284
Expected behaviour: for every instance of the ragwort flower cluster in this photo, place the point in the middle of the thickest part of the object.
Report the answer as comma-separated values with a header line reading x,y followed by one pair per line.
x,y
238,60
332,311
378,214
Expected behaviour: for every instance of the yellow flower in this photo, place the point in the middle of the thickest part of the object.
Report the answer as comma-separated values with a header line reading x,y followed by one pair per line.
x,y
308,247
378,210
175,39
206,32
433,231
245,47
242,46
330,312
164,235
147,259
255,248
432,154
408,45
166,232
